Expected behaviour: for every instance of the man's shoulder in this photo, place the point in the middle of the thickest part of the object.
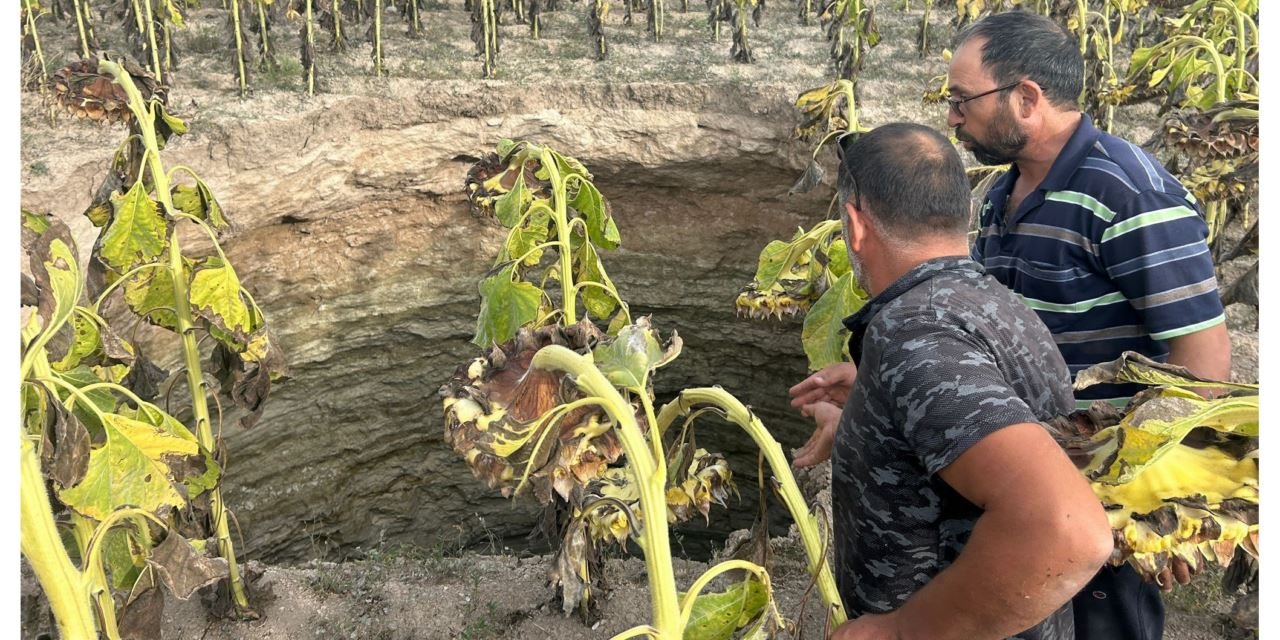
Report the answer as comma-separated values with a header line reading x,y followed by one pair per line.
x,y
1116,171
971,305
943,299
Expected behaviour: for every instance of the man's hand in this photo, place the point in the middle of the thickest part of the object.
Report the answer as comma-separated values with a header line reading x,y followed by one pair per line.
x,y
870,626
1177,570
832,384
826,417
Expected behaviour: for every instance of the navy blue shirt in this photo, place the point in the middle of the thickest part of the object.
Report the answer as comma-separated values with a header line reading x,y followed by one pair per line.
x,y
1109,251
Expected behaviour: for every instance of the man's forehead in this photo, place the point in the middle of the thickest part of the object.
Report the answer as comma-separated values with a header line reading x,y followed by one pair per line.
x,y
965,71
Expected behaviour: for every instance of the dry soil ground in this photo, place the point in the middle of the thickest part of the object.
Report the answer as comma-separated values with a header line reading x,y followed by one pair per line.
x,y
416,593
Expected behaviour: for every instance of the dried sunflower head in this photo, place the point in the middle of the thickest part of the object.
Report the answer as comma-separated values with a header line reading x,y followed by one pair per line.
x,y
824,110
792,275
84,92
496,174
1218,149
696,480
1177,473
503,416
612,506
1196,504
775,302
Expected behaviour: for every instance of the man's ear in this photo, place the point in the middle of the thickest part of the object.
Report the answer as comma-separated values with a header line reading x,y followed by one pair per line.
x,y
857,226
1029,96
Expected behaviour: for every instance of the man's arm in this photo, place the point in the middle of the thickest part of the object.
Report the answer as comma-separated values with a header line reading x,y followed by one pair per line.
x,y
1154,250
1042,533
1206,353
1042,536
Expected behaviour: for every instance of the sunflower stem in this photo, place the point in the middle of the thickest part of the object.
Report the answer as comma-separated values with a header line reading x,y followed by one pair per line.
x,y
65,586
646,473
805,521
185,324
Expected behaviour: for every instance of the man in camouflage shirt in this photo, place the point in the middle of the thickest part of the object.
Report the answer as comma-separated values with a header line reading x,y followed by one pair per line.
x,y
956,513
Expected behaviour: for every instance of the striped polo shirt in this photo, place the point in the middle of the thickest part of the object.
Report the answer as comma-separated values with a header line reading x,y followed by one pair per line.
x,y
1109,251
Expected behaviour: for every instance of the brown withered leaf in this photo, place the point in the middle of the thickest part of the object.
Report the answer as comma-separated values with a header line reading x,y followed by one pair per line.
x,y
248,382
571,573
71,456
141,616
182,569
114,347
38,233
100,210
144,376
30,293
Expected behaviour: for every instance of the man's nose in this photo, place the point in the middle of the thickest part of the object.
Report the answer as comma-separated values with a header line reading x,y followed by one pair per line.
x,y
953,118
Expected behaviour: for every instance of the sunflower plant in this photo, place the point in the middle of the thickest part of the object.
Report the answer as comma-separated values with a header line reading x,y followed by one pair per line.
x,y
484,34
810,274
852,32
104,474
140,208
807,275
1209,55
562,405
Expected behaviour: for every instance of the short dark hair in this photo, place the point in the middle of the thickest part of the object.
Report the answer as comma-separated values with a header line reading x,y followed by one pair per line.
x,y
908,177
1024,45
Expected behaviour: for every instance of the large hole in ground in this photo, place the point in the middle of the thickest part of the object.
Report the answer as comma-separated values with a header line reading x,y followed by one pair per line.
x,y
354,236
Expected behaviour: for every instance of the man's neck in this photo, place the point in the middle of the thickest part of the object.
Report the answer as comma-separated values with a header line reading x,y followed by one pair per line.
x,y
883,273
1044,146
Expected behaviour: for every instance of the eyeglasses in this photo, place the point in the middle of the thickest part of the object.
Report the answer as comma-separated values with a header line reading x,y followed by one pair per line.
x,y
955,103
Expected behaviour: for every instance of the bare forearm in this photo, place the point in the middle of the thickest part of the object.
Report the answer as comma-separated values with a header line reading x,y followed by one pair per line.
x,y
1013,573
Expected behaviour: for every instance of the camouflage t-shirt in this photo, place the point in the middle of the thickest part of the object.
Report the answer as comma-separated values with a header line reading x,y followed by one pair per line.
x,y
946,356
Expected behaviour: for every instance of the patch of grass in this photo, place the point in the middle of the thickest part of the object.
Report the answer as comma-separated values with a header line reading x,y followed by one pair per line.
x,y
330,581
484,626
39,168
285,75
439,561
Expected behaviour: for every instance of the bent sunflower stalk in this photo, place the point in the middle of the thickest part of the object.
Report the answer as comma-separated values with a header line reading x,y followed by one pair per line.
x,y
560,408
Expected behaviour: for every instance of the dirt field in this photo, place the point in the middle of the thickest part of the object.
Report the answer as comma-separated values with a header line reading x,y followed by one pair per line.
x,y
407,592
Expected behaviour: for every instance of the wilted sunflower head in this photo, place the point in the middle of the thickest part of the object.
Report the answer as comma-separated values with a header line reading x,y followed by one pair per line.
x,y
824,110
83,91
696,479
1227,131
1176,473
1199,505
495,174
792,275
1218,150
774,302
503,416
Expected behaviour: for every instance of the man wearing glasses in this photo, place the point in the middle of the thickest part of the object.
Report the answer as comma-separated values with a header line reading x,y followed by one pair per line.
x,y
1088,230
1094,235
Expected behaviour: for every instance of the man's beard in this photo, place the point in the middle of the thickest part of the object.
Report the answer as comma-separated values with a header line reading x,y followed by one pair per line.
x,y
1006,140
859,275
855,265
